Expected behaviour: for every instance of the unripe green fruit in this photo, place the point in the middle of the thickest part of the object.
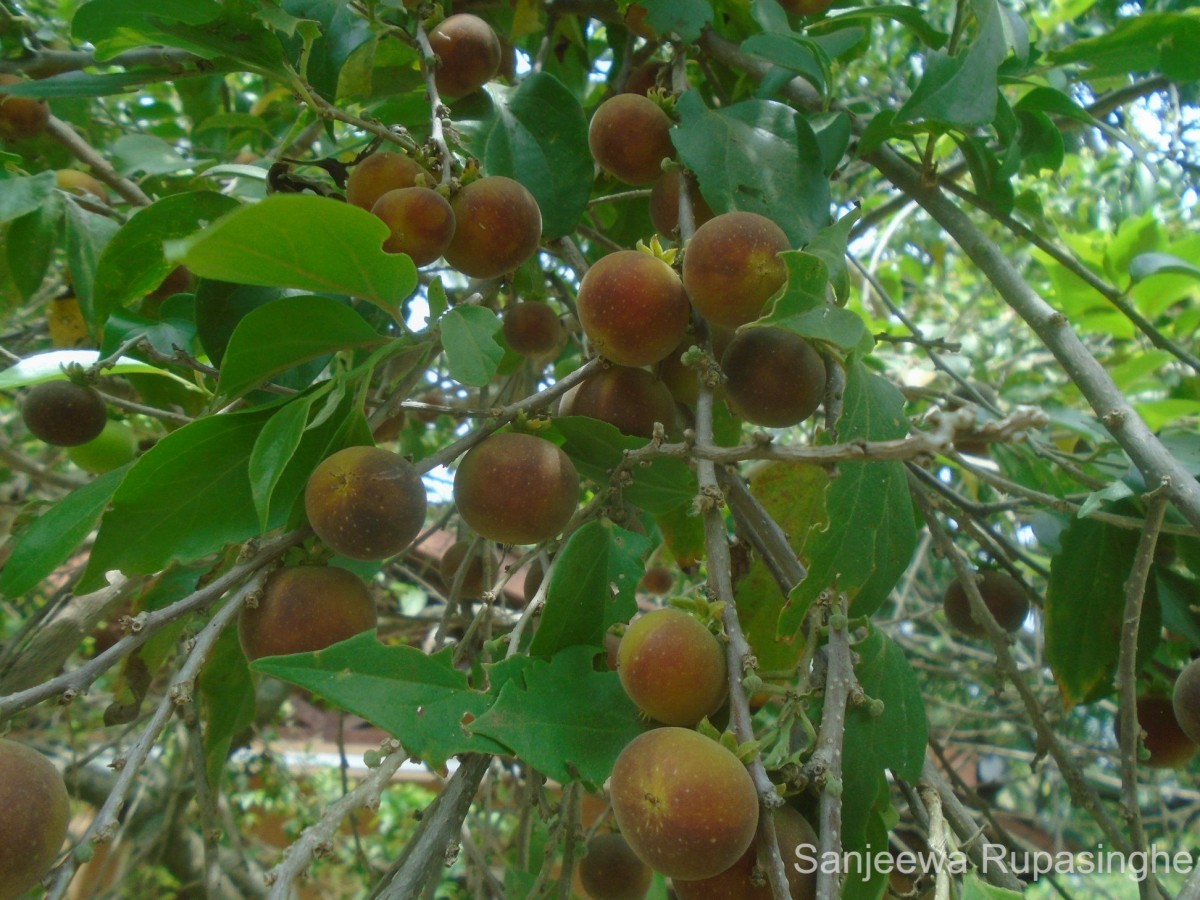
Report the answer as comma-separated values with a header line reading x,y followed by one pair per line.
x,y
516,489
1003,596
36,812
612,871
732,267
633,308
1186,700
63,413
629,137
672,667
305,609
773,377
686,805
112,448
365,503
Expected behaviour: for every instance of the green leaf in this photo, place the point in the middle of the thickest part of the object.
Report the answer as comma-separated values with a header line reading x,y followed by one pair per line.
x,y
537,135
1146,43
872,532
791,51
305,242
908,16
802,309
189,495
227,696
133,263
757,156
146,154
1180,598
597,448
962,90
1145,265
87,235
975,888
567,720
1085,603
30,245
56,534
342,31
286,332
469,339
49,365
421,699
685,18
593,584
896,739
20,196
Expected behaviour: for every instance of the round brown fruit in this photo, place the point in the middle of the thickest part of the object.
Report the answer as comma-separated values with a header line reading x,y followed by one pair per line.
x,y
633,308
737,882
646,76
806,7
631,400
498,226
64,414
1165,741
78,182
36,813
474,579
731,267
305,609
378,174
468,54
664,202
421,222
532,328
612,871
516,489
656,580
629,137
1003,596
773,377
686,805
1186,700
21,118
672,667
365,503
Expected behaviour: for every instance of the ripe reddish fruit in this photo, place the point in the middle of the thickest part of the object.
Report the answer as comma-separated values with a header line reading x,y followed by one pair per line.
x,y
806,7
686,805
36,813
632,400
737,882
304,609
648,75
21,118
772,377
633,308
378,174
365,503
672,667
474,579
532,328
629,137
63,413
664,202
421,222
1168,746
1186,700
468,54
498,226
612,871
731,267
516,488
1003,596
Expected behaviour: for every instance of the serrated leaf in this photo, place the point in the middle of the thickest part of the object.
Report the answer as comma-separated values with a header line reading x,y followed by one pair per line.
x,y
1085,603
803,310
872,533
421,699
283,333
592,587
568,721
758,156
133,263
305,242
469,338
56,534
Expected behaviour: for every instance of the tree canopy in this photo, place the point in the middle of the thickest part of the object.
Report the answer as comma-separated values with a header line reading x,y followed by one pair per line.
x,y
380,363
